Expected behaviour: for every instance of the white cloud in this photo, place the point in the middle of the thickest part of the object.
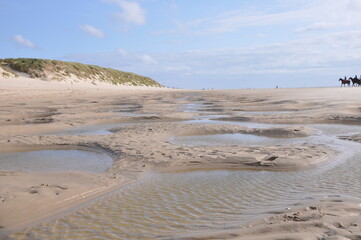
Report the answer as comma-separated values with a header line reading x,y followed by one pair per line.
x,y
309,15
177,68
316,26
93,31
331,53
21,41
148,59
303,50
122,52
119,59
131,12
236,20
354,5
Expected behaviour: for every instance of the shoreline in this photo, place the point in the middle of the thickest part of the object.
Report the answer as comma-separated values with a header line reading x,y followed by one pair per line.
x,y
145,147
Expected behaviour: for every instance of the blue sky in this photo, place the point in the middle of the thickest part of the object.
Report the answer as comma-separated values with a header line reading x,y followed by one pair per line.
x,y
193,44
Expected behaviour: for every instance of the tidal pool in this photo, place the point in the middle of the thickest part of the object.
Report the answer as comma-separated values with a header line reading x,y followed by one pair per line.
x,y
167,205
55,160
200,107
99,129
262,112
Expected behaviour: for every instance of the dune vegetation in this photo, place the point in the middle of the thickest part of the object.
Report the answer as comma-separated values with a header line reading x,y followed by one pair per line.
x,y
59,70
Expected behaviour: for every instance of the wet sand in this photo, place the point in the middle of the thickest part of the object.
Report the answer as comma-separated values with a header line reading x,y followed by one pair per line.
x,y
31,116
330,218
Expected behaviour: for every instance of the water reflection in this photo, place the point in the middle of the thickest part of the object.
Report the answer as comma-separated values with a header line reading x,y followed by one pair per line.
x,y
99,129
163,205
55,160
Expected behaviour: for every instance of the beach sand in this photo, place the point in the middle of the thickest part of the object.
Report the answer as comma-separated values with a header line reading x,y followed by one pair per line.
x,y
34,113
330,218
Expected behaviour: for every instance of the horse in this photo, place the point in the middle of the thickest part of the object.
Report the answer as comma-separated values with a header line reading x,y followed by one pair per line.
x,y
356,81
344,82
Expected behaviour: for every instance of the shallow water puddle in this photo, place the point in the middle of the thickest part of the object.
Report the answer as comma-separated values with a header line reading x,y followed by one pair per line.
x,y
163,205
99,129
233,139
207,120
55,160
336,129
199,107
262,112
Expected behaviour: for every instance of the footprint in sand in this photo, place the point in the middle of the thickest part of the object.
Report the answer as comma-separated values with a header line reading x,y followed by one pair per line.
x,y
36,189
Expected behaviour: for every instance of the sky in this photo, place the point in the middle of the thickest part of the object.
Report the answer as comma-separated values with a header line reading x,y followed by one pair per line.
x,y
196,44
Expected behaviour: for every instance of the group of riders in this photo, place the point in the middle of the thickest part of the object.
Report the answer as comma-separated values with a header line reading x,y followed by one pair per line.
x,y
355,81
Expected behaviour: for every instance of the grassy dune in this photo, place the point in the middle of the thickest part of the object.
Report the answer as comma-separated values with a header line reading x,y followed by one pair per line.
x,y
59,70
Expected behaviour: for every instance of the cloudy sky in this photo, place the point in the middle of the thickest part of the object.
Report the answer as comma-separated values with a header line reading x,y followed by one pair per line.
x,y
194,43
